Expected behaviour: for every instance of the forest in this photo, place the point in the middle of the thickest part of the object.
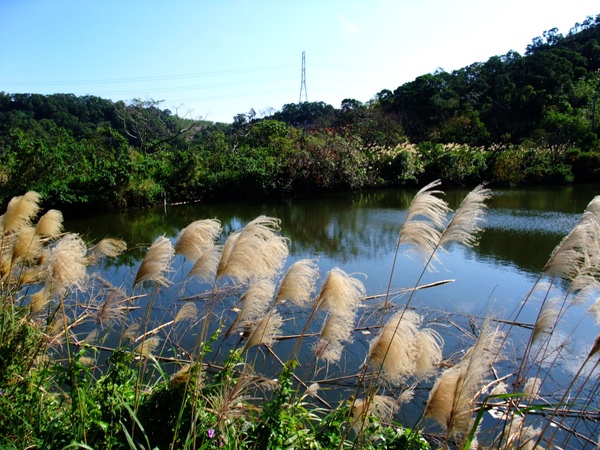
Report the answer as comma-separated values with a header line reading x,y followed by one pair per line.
x,y
512,120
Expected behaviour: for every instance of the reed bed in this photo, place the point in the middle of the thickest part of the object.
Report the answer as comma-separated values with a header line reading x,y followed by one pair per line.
x,y
256,356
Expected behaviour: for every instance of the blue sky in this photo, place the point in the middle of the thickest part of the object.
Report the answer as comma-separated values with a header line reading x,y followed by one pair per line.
x,y
215,59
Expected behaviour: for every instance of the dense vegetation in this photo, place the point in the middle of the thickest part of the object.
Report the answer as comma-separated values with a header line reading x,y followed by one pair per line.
x,y
512,119
88,364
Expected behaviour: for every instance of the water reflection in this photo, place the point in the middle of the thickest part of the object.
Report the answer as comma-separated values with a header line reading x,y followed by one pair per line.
x,y
521,228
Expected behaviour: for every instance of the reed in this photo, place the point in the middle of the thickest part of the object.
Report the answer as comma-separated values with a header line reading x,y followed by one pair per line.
x,y
83,363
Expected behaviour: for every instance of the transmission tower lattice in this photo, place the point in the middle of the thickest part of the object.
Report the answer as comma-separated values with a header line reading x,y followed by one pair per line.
x,y
303,81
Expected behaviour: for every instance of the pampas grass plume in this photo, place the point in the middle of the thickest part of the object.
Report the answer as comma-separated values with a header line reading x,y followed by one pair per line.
x,y
546,319
187,312
147,347
20,211
255,252
110,247
111,311
205,268
156,262
425,218
299,283
341,293
50,224
266,332
27,246
336,330
465,224
196,238
66,264
255,303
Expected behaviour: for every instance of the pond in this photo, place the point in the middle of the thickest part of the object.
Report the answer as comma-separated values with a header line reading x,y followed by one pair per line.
x,y
358,232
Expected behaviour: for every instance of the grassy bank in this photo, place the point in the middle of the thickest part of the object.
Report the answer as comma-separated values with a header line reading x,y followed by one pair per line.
x,y
85,364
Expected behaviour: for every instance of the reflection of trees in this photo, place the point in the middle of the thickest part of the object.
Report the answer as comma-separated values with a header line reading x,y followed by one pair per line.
x,y
359,226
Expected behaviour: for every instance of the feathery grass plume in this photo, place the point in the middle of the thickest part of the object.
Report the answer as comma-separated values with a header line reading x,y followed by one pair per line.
x,y
182,376
424,221
546,319
32,275
341,293
91,337
147,347
393,349
230,403
66,264
205,269
428,344
256,252
27,245
156,262
50,224
532,388
255,303
110,247
568,257
20,211
38,300
266,332
312,390
453,395
381,406
299,283
111,311
187,312
197,237
337,329
465,224
131,332
596,347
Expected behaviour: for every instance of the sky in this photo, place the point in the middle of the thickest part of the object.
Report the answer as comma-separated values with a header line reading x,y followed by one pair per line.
x,y
215,59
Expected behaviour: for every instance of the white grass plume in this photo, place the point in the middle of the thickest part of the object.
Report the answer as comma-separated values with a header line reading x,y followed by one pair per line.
x,y
451,400
532,388
147,347
266,332
428,345
50,224
381,406
156,262
27,245
187,312
255,304
20,211
336,330
66,264
424,221
205,268
400,350
255,252
341,293
568,258
196,238
38,300
546,319
299,283
111,311
110,247
465,224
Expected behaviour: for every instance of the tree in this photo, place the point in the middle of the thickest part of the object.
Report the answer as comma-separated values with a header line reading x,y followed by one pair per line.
x,y
150,128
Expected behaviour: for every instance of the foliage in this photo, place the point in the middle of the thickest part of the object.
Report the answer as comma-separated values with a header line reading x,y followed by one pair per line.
x,y
88,151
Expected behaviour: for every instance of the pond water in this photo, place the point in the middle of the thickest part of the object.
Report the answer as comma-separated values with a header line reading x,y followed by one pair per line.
x,y
358,232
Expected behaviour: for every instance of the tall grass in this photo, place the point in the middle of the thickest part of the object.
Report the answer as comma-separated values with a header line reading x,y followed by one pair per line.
x,y
248,360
